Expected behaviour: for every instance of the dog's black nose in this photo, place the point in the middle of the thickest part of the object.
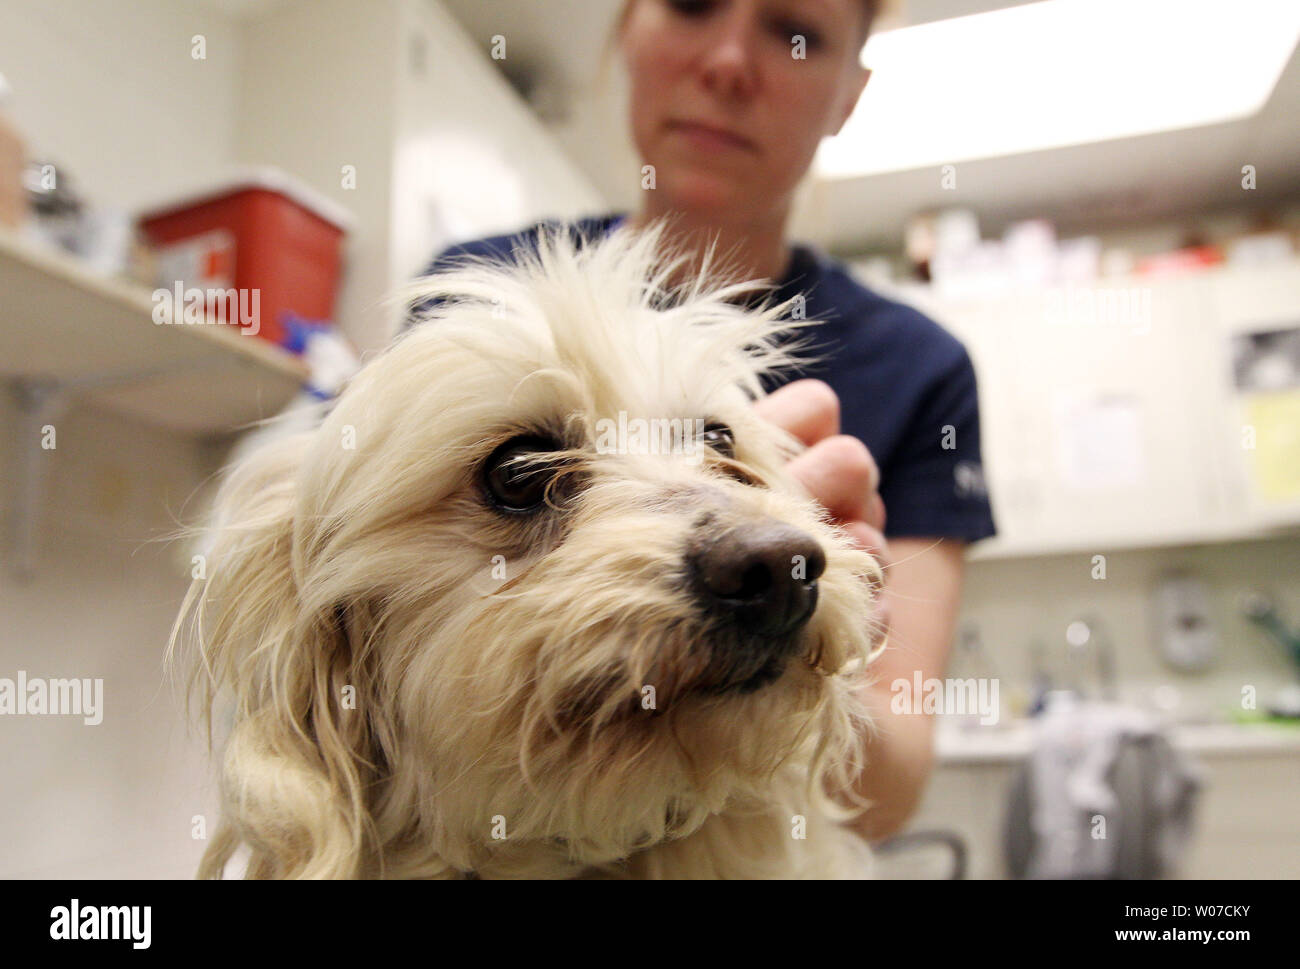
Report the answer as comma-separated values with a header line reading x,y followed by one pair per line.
x,y
763,578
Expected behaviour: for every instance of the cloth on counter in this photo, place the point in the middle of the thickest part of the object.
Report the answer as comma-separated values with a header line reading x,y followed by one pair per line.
x,y
1089,820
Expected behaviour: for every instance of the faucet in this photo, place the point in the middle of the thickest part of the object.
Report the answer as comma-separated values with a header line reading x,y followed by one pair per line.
x,y
1081,634
1259,609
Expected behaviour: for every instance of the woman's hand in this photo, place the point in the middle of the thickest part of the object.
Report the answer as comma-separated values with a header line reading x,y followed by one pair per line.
x,y
918,606
837,469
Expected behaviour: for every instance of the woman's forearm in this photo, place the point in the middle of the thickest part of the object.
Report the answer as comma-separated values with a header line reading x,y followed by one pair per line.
x,y
899,755
923,587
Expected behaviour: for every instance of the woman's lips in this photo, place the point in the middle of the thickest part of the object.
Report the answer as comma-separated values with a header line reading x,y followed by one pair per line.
x,y
711,139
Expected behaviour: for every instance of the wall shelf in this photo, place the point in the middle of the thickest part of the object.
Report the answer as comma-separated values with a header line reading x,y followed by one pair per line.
x,y
94,337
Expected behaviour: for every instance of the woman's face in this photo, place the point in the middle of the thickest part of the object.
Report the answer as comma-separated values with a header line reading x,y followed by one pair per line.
x,y
730,65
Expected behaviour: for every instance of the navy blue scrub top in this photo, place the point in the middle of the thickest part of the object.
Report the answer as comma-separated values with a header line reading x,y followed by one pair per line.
x,y
906,386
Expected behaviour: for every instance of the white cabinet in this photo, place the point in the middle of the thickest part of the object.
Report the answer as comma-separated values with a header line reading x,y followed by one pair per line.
x,y
1258,424
1109,413
1246,825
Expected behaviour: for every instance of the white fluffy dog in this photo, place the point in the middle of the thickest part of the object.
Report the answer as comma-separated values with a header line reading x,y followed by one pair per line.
x,y
539,599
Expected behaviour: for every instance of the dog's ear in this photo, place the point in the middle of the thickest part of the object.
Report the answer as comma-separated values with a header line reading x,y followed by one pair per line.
x,y
300,751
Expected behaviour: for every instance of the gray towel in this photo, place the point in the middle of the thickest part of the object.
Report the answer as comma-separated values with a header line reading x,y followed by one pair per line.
x,y
1105,795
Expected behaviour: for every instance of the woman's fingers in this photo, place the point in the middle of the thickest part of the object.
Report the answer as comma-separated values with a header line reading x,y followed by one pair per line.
x,y
877,514
873,542
840,473
808,409
868,539
837,469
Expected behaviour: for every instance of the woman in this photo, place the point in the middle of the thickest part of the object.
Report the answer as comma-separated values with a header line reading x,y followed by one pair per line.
x,y
729,117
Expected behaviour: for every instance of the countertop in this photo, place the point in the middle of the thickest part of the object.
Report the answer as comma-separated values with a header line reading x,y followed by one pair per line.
x,y
956,743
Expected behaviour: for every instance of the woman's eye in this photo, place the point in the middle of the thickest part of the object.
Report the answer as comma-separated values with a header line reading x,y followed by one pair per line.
x,y
692,8
788,30
518,473
721,438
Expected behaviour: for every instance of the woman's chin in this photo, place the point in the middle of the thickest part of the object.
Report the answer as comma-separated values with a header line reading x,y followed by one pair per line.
x,y
707,193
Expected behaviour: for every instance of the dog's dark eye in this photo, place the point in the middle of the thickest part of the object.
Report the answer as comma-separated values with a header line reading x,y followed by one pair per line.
x,y
721,438
517,474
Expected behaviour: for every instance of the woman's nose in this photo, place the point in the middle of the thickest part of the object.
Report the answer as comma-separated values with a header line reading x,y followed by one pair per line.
x,y
729,56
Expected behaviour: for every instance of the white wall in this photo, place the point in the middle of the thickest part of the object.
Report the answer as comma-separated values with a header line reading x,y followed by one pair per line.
x,y
1017,601
471,159
114,799
110,91
443,148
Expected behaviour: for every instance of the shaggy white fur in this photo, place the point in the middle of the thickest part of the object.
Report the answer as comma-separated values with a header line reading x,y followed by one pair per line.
x,y
427,684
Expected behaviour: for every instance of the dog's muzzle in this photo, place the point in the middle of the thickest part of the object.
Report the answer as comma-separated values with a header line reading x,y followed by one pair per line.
x,y
758,580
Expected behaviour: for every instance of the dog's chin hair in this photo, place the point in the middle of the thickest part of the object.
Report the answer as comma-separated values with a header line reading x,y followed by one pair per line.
x,y
397,711
599,799
569,787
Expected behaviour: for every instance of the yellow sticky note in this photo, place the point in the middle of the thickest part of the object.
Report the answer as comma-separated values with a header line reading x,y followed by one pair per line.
x,y
1276,420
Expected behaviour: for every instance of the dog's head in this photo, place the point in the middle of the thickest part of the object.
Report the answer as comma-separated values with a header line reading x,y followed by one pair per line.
x,y
538,592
